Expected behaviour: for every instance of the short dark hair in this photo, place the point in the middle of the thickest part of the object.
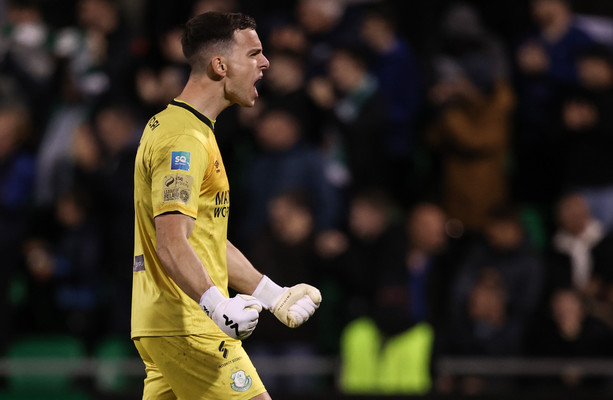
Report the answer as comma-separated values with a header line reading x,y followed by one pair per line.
x,y
212,28
357,54
297,197
383,12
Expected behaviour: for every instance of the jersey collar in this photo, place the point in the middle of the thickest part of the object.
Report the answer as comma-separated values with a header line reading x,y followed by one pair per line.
x,y
197,113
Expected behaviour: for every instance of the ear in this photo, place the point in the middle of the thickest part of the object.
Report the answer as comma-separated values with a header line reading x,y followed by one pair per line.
x,y
218,64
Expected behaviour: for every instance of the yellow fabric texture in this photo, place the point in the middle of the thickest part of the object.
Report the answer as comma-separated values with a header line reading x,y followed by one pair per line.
x,y
197,367
178,168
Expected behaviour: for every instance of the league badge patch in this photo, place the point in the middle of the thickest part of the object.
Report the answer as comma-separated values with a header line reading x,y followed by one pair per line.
x,y
177,187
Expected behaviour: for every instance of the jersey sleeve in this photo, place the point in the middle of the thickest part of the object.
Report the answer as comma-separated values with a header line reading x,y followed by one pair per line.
x,y
177,170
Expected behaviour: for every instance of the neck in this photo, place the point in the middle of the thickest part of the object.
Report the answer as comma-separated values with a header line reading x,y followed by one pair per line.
x,y
416,259
205,95
386,42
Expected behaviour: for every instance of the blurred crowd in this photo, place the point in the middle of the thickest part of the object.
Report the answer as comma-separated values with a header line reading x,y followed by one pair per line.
x,y
427,162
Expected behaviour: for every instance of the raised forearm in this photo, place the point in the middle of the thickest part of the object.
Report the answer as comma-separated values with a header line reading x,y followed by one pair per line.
x,y
184,268
242,275
177,255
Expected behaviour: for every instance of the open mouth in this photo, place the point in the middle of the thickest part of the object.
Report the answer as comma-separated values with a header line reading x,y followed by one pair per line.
x,y
256,84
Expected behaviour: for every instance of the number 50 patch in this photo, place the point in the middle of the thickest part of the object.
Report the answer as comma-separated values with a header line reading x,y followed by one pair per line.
x,y
180,160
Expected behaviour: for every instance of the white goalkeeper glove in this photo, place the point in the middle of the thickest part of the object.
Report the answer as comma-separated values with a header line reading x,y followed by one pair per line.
x,y
237,316
293,306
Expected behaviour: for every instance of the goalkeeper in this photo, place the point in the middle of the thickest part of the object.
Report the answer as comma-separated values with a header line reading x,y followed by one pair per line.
x,y
184,325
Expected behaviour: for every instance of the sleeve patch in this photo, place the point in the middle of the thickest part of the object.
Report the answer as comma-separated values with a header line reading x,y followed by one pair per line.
x,y
180,160
177,187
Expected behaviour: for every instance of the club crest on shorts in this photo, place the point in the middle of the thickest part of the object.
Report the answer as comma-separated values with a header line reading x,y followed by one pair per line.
x,y
241,380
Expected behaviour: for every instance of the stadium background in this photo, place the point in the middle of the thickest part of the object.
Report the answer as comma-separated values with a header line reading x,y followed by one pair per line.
x,y
440,169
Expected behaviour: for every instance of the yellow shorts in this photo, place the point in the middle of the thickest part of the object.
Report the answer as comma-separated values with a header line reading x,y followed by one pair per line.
x,y
197,367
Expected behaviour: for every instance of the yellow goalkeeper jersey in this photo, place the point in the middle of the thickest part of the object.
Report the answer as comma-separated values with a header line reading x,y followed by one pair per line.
x,y
178,168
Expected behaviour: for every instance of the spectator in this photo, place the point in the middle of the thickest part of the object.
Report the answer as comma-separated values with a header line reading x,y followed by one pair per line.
x,y
397,70
358,120
581,258
65,272
570,332
373,239
111,50
289,37
25,57
552,49
471,139
486,328
288,239
496,291
285,86
17,174
164,75
413,290
118,130
387,346
17,167
600,304
285,162
328,24
462,45
585,140
575,333
546,62
577,233
54,152
469,131
71,159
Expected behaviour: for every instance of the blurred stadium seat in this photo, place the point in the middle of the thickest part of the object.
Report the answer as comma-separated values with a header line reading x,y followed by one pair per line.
x,y
111,353
43,368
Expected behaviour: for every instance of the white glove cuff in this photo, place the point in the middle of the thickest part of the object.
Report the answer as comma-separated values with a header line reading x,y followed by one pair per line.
x,y
210,299
267,292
